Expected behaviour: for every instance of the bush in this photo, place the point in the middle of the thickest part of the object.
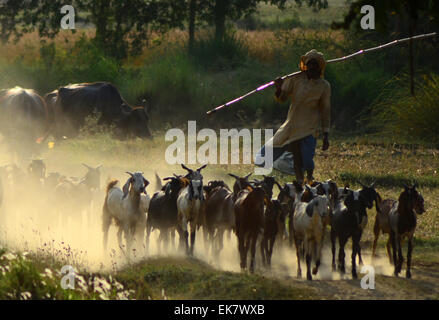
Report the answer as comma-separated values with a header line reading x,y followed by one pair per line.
x,y
396,112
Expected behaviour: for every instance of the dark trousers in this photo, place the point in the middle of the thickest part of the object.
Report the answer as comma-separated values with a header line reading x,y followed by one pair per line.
x,y
303,151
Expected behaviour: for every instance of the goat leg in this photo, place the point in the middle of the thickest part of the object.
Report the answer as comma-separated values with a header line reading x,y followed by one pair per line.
x,y
400,257
263,250
341,255
253,253
270,252
408,274
355,245
333,238
389,252
308,266
393,242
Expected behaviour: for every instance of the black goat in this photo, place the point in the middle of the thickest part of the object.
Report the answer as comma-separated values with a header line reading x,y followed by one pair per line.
x,y
348,221
162,212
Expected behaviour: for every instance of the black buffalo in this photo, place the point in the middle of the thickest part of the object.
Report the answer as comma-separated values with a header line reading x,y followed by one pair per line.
x,y
25,119
73,103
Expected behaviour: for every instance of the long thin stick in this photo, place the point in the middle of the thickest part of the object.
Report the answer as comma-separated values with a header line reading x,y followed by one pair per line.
x,y
383,46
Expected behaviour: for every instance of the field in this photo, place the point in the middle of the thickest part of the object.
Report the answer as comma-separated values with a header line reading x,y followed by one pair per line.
x,y
49,244
378,133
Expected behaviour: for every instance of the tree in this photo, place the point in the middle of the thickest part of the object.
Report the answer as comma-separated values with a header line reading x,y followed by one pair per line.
x,y
122,27
388,11
217,11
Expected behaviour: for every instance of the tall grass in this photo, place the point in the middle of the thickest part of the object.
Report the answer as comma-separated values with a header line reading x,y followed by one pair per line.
x,y
398,113
181,85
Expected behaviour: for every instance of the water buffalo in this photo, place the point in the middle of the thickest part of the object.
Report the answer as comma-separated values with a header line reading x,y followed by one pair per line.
x,y
25,119
73,103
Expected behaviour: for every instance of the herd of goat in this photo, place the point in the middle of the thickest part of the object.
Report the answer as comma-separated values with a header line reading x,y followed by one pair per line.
x,y
298,216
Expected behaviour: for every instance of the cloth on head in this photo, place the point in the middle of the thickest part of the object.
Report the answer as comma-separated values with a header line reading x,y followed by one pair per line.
x,y
313,54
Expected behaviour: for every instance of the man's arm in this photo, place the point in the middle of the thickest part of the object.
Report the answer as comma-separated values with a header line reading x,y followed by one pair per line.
x,y
283,89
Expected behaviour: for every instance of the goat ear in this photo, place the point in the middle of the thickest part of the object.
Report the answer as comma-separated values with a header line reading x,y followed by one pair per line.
x,y
415,185
233,176
126,187
88,167
186,168
145,182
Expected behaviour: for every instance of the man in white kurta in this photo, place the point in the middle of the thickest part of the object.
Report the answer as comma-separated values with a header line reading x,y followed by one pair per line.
x,y
309,111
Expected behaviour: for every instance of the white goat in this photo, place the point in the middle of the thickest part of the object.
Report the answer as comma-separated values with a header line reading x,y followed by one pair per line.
x,y
309,222
127,207
189,205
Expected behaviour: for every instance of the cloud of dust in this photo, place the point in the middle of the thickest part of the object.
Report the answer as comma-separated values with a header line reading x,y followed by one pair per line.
x,y
32,219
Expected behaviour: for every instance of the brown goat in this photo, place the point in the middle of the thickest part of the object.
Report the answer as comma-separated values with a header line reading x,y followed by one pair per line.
x,y
249,213
219,214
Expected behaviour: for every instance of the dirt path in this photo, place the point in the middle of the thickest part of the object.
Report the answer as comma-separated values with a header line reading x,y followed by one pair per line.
x,y
424,284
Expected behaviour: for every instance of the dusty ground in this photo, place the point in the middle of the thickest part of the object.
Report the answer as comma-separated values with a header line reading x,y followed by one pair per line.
x,y
26,224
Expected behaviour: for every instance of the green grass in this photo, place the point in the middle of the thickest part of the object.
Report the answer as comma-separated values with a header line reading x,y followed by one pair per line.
x,y
183,278
389,180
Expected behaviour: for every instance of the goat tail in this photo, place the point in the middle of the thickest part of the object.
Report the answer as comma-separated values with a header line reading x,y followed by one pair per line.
x,y
110,185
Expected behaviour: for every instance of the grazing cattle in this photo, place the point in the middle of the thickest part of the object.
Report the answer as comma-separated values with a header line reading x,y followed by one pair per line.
x,y
348,221
219,214
162,212
73,103
309,223
25,120
124,206
249,218
189,205
402,220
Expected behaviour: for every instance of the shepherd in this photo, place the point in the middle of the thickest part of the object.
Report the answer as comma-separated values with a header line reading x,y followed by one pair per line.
x,y
310,109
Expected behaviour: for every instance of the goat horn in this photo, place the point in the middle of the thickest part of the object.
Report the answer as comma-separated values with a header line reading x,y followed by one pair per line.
x,y
186,168
246,177
416,184
129,173
202,167
362,185
233,176
87,166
